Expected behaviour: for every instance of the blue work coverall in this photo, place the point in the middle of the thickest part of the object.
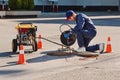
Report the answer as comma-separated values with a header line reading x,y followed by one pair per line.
x,y
85,31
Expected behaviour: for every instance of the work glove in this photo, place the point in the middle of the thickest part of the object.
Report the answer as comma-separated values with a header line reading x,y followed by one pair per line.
x,y
67,35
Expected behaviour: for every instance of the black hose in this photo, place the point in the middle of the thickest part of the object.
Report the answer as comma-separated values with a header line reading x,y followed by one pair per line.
x,y
61,32
63,25
53,42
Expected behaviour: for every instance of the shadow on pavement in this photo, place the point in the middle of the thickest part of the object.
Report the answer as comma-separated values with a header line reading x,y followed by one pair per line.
x,y
43,58
10,72
50,21
107,22
46,57
98,22
7,54
9,64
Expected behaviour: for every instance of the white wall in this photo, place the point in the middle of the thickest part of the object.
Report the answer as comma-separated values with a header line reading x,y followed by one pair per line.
x,y
81,2
101,2
67,2
60,2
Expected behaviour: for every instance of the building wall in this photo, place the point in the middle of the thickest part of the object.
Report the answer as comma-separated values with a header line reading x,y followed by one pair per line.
x,y
78,5
76,2
81,2
5,2
100,2
59,2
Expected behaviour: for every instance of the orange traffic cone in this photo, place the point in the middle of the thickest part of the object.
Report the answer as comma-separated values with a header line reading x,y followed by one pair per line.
x,y
21,59
39,42
108,46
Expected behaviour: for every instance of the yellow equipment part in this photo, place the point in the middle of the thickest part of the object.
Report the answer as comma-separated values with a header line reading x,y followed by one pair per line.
x,y
25,26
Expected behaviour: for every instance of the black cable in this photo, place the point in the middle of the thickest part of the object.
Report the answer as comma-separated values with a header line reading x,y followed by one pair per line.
x,y
53,42
63,25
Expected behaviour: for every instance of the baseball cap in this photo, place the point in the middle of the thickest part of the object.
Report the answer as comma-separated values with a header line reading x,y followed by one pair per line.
x,y
69,13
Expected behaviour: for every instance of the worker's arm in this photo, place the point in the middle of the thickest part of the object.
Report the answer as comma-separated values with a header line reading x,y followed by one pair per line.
x,y
80,21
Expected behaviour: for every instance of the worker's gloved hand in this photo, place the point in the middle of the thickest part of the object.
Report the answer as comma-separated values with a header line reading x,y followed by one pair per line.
x,y
68,38
67,35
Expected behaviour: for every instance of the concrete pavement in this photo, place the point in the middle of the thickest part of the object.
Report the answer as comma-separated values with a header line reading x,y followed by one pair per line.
x,y
43,67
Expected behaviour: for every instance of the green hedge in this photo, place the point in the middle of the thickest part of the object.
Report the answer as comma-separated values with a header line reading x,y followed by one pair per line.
x,y
21,4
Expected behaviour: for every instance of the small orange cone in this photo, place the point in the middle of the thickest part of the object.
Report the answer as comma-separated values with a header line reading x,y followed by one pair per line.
x,y
39,42
21,59
109,46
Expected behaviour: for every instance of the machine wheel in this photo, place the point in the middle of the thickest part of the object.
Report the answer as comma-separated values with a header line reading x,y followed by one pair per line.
x,y
14,45
34,45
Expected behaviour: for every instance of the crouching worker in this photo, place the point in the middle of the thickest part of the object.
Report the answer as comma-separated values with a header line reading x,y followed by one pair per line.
x,y
85,31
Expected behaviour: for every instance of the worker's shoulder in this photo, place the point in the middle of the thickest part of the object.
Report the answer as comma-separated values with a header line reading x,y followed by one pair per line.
x,y
82,15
